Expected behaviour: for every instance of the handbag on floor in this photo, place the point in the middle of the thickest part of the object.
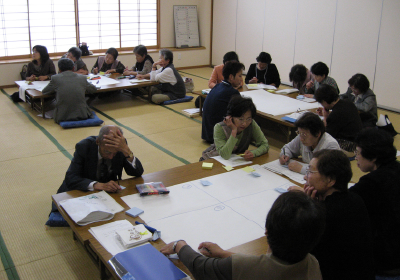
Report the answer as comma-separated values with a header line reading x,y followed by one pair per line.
x,y
385,124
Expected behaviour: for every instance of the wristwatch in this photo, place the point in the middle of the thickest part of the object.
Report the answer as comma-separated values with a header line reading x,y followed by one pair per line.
x,y
130,155
176,243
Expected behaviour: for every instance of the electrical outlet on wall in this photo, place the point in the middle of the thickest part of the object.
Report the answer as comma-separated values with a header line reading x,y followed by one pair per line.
x,y
179,56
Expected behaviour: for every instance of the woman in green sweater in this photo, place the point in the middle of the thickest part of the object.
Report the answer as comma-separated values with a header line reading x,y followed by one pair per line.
x,y
235,133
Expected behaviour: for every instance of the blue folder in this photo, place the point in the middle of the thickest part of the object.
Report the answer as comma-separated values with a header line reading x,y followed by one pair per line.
x,y
286,118
145,263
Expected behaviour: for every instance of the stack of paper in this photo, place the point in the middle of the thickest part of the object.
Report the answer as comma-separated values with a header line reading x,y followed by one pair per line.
x,y
233,161
193,112
276,167
133,236
287,91
260,86
106,235
91,208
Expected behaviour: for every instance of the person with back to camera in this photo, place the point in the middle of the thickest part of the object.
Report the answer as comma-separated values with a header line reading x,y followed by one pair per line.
x,y
311,137
320,71
344,251
380,190
171,83
108,63
216,103
75,54
300,76
235,133
263,71
42,67
341,117
70,89
364,99
293,227
144,62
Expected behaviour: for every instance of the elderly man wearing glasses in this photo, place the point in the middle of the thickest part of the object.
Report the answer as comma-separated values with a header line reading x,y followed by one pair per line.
x,y
311,137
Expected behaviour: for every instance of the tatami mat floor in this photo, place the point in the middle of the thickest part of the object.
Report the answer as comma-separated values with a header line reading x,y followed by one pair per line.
x,y
36,153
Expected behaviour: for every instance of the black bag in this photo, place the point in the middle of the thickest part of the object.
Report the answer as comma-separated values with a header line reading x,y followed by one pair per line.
x,y
84,49
23,72
15,97
388,127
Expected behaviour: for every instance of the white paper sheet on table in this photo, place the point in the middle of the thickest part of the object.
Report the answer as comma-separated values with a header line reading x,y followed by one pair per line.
x,y
91,208
135,81
287,91
23,86
309,100
229,212
106,235
275,166
275,104
260,86
104,81
233,161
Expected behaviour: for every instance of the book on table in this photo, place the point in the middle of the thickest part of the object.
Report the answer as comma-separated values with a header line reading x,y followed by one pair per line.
x,y
91,208
145,263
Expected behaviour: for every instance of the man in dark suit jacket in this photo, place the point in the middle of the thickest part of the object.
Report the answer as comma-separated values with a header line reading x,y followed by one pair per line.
x,y
216,103
98,162
70,91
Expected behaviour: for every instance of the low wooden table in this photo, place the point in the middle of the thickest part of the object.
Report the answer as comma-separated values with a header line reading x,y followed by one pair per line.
x,y
169,177
287,128
37,100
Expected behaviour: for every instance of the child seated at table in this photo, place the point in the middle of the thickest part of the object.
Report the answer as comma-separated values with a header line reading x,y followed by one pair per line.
x,y
235,133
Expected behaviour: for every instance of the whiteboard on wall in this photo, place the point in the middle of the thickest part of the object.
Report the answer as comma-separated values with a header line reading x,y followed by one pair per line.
x,y
186,26
386,86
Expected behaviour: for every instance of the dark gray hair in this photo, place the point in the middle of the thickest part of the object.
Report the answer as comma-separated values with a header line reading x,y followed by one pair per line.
x,y
106,130
167,54
65,64
76,52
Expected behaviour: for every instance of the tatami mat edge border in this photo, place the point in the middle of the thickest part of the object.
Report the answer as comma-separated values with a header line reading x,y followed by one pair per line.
x,y
142,136
42,129
7,261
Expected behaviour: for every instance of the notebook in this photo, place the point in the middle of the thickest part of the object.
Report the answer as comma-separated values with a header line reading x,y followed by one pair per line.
x,y
145,263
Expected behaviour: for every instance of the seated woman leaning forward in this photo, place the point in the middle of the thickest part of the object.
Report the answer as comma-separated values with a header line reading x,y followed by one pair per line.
x,y
311,137
108,63
235,133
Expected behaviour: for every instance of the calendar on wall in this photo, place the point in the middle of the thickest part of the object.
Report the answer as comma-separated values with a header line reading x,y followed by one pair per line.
x,y
186,26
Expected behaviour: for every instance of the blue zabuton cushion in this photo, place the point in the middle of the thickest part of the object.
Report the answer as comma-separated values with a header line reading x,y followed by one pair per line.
x,y
93,121
185,99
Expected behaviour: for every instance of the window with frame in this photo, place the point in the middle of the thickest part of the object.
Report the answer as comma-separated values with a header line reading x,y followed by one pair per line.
x,y
61,24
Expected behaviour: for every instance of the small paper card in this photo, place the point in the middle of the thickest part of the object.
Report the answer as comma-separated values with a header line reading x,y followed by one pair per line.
x,y
228,168
248,169
134,212
205,182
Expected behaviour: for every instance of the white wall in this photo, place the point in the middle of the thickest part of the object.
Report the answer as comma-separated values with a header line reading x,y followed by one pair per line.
x,y
350,36
10,71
